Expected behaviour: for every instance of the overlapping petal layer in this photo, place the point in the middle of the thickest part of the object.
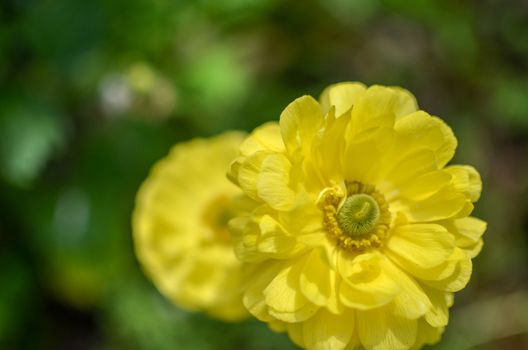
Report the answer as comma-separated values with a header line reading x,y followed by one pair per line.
x,y
389,289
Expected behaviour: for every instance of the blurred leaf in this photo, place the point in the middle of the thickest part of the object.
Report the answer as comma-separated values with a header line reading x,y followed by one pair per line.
x,y
15,296
29,135
215,83
145,320
352,12
510,102
80,225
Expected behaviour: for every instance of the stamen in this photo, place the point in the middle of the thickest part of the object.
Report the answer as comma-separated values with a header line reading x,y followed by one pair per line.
x,y
359,221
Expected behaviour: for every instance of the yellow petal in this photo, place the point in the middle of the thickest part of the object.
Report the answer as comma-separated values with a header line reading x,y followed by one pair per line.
x,y
466,179
418,247
361,151
273,182
419,129
179,227
354,342
470,228
171,280
233,169
266,137
295,331
278,326
449,274
304,218
274,241
468,232
247,171
203,278
444,204
412,302
460,276
245,237
284,297
438,314
299,122
257,277
474,250
326,331
320,240
424,186
427,334
405,102
342,96
318,282
400,167
376,108
381,329
330,150
365,283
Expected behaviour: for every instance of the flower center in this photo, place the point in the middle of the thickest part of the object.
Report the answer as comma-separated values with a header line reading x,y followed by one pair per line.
x,y
358,215
358,221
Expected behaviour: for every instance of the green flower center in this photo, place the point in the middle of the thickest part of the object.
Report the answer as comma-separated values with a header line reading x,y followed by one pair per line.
x,y
358,215
357,222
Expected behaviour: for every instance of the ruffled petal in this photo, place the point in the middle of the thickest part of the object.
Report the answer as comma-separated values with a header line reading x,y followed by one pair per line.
x,y
419,129
460,266
450,275
260,236
283,295
244,172
266,137
361,151
400,168
299,122
329,151
257,278
327,331
427,334
264,176
319,283
376,108
295,331
365,283
342,96
381,329
273,182
424,186
405,102
438,314
274,241
412,302
446,203
466,179
419,247
245,237
468,232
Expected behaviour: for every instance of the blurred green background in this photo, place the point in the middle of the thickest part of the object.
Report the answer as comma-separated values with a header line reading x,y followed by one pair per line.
x,y
93,92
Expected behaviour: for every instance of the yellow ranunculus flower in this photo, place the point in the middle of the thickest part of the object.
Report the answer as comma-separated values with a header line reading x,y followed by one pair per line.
x,y
180,227
357,234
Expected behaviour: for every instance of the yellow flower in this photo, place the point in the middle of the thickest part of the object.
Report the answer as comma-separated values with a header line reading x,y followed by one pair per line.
x,y
180,227
357,234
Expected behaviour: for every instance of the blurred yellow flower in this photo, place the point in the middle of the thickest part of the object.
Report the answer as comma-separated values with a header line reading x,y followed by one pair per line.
x,y
180,227
357,233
